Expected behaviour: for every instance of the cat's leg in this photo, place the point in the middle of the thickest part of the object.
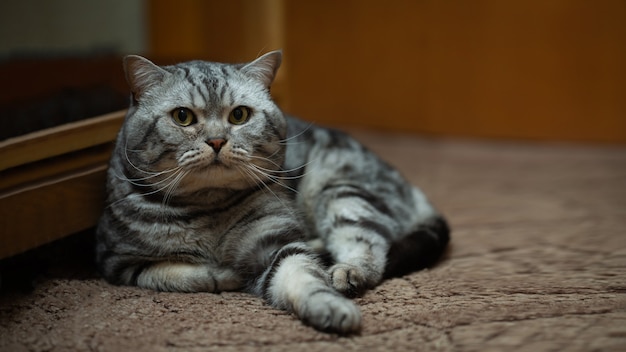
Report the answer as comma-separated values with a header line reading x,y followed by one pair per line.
x,y
357,229
184,277
360,254
168,275
296,281
368,240
359,260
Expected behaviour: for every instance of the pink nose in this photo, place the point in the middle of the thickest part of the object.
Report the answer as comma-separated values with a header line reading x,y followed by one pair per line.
x,y
216,143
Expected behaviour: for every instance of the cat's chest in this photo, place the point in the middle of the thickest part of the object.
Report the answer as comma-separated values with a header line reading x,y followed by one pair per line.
x,y
197,228
206,233
215,228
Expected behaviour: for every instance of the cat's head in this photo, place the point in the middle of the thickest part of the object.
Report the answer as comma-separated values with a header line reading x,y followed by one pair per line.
x,y
203,124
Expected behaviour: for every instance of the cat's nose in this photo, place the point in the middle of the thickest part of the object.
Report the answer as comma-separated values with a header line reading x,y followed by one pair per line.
x,y
216,143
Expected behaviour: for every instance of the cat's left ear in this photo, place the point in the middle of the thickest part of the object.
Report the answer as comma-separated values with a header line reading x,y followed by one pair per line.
x,y
265,67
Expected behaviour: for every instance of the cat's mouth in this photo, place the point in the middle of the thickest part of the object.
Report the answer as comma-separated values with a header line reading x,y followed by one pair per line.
x,y
208,162
204,166
217,162
213,164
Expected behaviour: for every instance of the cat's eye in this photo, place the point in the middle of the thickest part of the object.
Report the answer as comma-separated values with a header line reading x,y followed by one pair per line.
x,y
239,115
183,116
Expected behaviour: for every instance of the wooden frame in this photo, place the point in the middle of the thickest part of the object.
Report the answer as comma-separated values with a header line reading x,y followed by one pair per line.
x,y
52,181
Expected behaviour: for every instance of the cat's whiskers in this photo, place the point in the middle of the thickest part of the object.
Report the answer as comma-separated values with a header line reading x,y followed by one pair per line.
x,y
281,171
172,186
276,175
275,179
270,173
270,157
286,140
136,181
266,159
128,158
174,180
246,170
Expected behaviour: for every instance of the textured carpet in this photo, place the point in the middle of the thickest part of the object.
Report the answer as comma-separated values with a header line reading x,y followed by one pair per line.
x,y
537,262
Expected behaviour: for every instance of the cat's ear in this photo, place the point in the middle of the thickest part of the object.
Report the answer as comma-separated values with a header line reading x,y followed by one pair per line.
x,y
141,74
265,67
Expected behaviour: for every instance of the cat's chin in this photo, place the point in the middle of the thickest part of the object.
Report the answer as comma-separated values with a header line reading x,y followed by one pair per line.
x,y
216,175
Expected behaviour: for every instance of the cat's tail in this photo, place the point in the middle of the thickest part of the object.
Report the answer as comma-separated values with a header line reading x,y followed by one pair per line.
x,y
419,249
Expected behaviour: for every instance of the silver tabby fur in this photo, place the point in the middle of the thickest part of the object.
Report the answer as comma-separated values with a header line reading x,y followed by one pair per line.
x,y
300,215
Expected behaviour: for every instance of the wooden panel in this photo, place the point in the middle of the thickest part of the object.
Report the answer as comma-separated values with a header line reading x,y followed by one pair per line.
x,y
32,175
550,70
52,182
50,210
508,69
228,31
223,31
59,140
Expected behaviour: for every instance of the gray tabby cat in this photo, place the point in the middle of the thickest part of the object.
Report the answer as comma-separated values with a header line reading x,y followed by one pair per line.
x,y
212,188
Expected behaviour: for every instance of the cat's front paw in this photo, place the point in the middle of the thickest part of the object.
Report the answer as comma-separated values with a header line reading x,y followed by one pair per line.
x,y
348,279
328,311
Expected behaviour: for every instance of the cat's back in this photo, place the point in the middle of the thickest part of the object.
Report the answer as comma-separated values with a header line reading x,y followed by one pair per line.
x,y
316,153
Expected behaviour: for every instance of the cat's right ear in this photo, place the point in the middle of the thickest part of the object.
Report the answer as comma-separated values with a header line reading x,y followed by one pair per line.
x,y
141,74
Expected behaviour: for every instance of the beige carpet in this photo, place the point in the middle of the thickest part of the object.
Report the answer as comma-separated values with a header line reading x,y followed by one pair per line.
x,y
537,262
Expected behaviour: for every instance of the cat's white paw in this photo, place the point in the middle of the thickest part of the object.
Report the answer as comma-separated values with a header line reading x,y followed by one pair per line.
x,y
348,279
328,311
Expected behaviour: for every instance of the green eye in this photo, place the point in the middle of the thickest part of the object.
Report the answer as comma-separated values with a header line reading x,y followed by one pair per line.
x,y
239,115
183,116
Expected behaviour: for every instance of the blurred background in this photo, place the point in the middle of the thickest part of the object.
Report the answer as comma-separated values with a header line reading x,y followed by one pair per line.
x,y
550,70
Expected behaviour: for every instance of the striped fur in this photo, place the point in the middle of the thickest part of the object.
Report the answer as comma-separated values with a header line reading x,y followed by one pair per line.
x,y
203,199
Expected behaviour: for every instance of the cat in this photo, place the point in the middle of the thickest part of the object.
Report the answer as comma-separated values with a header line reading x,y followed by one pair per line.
x,y
211,188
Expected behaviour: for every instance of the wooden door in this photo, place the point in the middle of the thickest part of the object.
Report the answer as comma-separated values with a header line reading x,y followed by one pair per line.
x,y
548,70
